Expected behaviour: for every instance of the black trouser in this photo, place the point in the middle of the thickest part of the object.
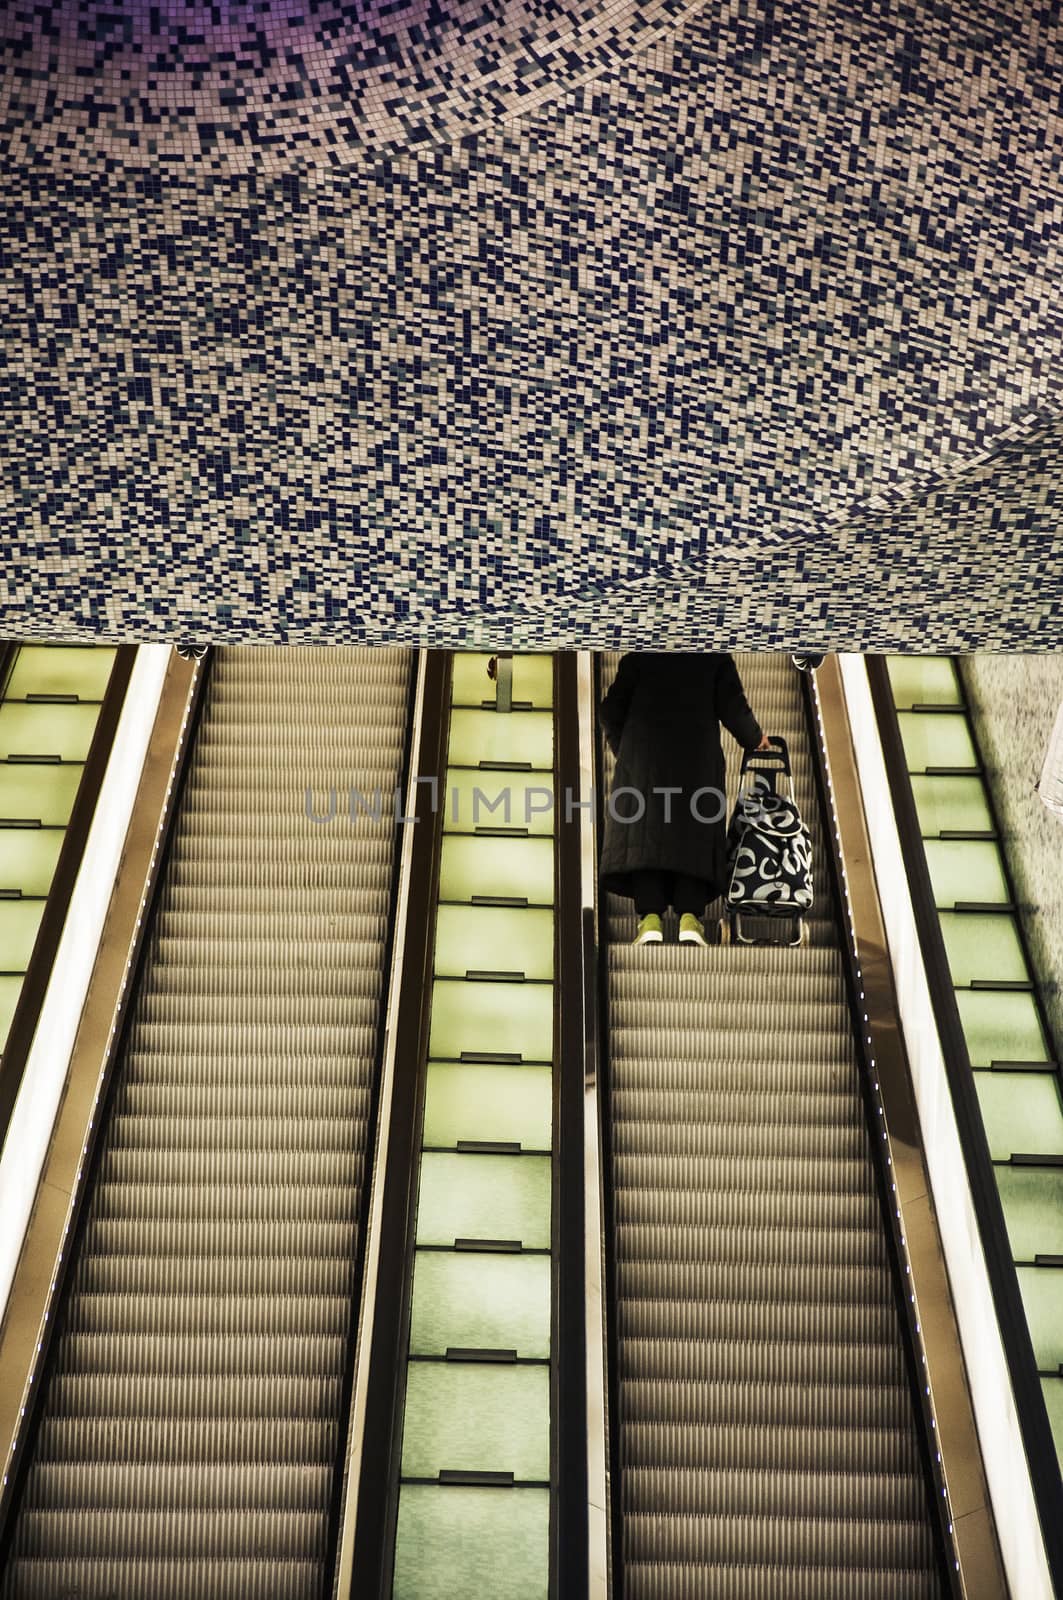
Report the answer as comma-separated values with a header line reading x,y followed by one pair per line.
x,y
654,891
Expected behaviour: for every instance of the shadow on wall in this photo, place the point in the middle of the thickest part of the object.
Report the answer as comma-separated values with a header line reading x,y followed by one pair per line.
x,y
1013,701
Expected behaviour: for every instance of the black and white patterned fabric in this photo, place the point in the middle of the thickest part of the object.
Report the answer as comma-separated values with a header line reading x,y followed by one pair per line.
x,y
769,854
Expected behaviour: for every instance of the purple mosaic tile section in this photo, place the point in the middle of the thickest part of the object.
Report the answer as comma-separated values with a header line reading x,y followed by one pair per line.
x,y
754,338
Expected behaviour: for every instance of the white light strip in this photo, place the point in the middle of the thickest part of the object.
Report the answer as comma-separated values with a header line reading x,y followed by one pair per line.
x,y
1004,1457
35,1109
593,1197
364,1336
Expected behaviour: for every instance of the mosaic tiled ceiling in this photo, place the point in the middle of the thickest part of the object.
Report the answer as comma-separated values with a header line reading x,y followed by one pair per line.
x,y
548,324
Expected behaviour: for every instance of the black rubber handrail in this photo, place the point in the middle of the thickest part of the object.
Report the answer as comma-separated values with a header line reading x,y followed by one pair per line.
x,y
1030,1406
574,1013
605,1119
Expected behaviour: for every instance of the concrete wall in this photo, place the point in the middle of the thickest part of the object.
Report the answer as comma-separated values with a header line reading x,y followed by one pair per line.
x,y
1014,700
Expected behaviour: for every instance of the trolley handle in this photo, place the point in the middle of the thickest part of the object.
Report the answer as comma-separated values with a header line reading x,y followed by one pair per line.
x,y
779,755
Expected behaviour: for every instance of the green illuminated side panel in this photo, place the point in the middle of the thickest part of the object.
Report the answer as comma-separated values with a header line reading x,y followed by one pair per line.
x,y
1001,1027
467,1301
1033,1207
472,1544
479,800
490,1418
1053,1393
54,669
1042,1297
1021,1112
494,938
484,1197
492,1018
982,949
513,869
19,921
965,870
936,741
923,680
533,680
54,730
43,794
487,736
467,1100
951,805
10,989
28,857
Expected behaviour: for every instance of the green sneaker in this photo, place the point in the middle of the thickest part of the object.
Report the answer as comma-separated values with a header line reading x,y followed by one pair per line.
x,y
690,929
650,931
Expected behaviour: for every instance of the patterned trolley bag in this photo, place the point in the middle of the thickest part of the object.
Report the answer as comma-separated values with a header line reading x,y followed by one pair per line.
x,y
769,850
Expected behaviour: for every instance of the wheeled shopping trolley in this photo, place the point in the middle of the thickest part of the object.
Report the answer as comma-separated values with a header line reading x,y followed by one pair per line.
x,y
769,852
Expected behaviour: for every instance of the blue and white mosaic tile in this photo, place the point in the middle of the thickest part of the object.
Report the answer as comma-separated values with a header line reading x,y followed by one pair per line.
x,y
600,324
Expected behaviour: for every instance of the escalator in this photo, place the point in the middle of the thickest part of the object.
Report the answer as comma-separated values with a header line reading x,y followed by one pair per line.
x,y
765,1439
187,1439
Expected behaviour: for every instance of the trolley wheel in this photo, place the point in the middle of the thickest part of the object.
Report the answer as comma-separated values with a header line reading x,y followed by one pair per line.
x,y
724,934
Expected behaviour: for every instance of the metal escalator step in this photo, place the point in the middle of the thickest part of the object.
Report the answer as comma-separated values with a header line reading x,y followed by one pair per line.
x,y
659,1580
180,1396
291,1137
146,1534
165,1041
750,1362
873,1544
182,1486
331,978
216,1012
748,966
198,1275
698,1072
776,1405
214,1316
261,926
754,1246
727,1447
170,1239
163,1353
637,1035
243,1168
707,1210
277,883
136,1439
262,1202
769,1282
758,1141
689,1173
896,1497
706,1104
164,1580
270,1098
730,987
801,1321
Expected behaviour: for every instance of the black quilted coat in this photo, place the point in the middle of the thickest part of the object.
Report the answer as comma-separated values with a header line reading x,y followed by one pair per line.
x,y
662,718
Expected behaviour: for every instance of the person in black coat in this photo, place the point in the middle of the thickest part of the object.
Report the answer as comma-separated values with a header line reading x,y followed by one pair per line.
x,y
666,822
